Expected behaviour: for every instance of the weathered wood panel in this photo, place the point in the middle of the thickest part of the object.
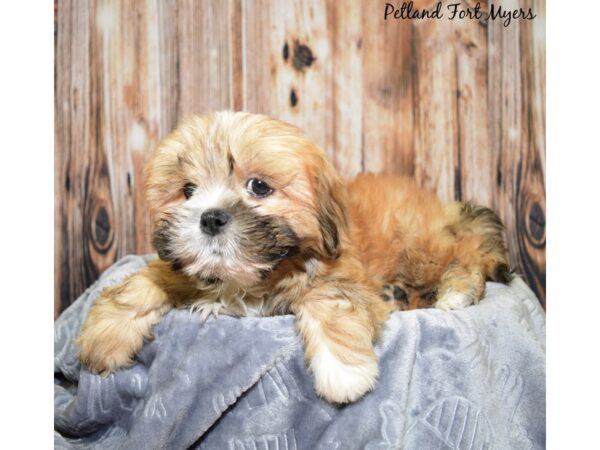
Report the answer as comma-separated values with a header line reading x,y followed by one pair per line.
x,y
458,104
390,87
516,136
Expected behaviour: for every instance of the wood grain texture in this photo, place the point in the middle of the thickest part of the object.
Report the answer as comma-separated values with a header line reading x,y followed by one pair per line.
x,y
390,120
458,104
436,116
515,130
474,163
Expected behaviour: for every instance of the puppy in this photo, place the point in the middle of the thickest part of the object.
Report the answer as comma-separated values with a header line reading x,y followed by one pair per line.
x,y
250,219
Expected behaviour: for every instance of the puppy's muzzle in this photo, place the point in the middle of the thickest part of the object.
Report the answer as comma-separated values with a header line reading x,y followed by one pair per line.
x,y
213,221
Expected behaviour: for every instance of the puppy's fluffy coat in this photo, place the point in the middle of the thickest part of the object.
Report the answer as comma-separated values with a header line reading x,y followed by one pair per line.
x,y
251,219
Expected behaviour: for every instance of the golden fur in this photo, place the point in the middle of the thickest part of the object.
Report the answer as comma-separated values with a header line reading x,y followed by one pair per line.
x,y
340,257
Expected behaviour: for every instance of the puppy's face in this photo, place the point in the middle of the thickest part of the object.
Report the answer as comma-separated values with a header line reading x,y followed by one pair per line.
x,y
234,194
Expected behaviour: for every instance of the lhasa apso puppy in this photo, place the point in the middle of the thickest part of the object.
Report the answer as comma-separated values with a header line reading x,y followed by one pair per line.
x,y
250,218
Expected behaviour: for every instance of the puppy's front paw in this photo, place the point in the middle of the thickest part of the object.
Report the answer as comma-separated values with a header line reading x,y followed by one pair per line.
x,y
339,382
108,341
104,353
454,300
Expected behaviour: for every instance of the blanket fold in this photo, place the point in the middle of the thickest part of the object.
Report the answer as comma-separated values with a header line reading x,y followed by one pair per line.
x,y
469,379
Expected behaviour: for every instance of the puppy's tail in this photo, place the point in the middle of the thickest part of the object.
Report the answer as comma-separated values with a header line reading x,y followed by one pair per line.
x,y
479,232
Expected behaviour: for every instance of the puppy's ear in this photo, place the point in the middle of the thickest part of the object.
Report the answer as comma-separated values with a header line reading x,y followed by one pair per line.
x,y
331,210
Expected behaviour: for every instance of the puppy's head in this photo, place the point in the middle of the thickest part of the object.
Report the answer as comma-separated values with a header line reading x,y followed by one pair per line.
x,y
234,194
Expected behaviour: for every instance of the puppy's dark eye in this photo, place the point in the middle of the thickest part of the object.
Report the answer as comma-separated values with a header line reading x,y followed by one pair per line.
x,y
188,189
258,188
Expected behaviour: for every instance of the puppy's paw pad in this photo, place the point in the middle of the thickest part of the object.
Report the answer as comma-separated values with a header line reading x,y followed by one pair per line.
x,y
454,300
394,292
395,295
338,382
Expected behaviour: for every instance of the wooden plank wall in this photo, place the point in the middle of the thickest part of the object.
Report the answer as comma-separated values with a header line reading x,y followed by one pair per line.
x,y
458,104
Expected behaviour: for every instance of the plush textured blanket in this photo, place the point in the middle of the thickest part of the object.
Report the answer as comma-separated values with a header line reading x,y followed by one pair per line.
x,y
470,379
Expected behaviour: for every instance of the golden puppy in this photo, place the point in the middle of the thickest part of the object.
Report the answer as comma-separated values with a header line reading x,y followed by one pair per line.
x,y
251,219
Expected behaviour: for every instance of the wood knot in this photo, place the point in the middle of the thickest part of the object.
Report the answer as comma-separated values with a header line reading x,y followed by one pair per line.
x,y
303,57
536,224
286,52
293,98
101,230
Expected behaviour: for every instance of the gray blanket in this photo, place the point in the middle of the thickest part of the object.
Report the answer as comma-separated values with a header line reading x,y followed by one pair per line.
x,y
470,379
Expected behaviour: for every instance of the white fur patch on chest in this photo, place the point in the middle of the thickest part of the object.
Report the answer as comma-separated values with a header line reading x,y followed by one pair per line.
x,y
236,306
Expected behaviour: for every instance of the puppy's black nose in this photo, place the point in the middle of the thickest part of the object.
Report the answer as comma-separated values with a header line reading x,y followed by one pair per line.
x,y
212,221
